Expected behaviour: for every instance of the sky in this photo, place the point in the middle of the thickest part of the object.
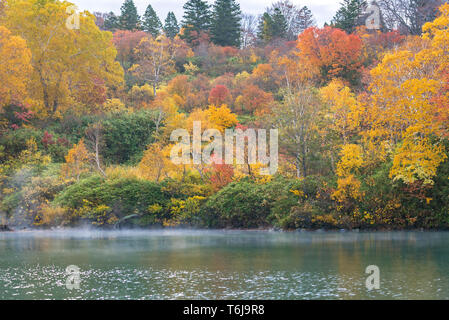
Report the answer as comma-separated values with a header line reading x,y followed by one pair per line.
x,y
323,10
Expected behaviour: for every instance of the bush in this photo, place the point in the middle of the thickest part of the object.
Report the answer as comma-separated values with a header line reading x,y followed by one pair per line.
x,y
244,204
101,200
126,137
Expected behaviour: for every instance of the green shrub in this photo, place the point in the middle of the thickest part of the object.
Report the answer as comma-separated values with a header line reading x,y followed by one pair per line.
x,y
126,137
124,197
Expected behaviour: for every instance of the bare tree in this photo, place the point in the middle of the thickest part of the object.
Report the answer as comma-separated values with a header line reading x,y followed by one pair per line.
x,y
94,134
408,16
249,30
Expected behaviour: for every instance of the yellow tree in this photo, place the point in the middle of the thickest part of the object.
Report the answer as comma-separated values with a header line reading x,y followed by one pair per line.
x,y
155,59
15,68
345,111
155,164
72,63
77,161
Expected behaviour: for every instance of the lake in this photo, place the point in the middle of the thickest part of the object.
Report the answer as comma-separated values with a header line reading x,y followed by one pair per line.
x,y
180,264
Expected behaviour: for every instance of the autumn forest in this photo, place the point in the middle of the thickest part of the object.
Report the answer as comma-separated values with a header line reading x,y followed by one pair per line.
x,y
88,102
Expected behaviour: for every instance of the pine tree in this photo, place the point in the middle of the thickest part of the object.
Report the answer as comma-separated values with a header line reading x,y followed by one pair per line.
x,y
226,23
129,19
111,22
272,26
151,22
265,28
306,19
196,19
279,24
346,17
171,27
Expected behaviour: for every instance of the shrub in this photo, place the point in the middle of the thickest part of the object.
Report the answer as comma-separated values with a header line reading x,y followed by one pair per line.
x,y
101,199
126,136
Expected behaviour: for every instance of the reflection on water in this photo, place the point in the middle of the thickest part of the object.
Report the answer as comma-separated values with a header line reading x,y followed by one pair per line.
x,y
223,265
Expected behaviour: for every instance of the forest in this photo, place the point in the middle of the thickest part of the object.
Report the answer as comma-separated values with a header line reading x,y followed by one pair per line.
x,y
88,102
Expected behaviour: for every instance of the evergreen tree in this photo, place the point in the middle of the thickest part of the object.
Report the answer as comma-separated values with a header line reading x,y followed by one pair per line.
x,y
111,22
196,19
279,24
171,27
306,19
265,28
151,22
272,26
348,14
129,19
226,23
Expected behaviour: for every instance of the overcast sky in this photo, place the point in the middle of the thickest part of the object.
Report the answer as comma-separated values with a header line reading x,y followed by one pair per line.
x,y
323,10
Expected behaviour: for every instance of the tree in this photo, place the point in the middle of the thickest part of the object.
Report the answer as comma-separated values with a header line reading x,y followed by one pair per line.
x,y
15,68
254,100
306,19
94,138
196,20
77,161
297,19
297,120
126,41
171,27
155,59
129,19
111,22
346,17
272,26
151,22
156,163
248,30
335,53
409,15
226,23
70,66
219,95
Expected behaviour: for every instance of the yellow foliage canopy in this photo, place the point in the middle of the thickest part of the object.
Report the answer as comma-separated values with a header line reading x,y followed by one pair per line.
x,y
15,68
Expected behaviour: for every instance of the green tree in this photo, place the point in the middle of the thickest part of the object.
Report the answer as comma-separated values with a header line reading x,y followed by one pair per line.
x,y
346,17
111,22
151,22
196,19
226,23
306,20
171,27
129,19
272,26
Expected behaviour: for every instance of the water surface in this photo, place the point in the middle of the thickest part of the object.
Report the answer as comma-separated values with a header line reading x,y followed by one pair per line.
x,y
223,265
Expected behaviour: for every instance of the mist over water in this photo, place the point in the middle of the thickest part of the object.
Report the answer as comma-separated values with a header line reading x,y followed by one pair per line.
x,y
193,264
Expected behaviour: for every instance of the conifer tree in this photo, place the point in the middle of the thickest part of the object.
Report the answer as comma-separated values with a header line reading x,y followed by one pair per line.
x,y
151,22
171,27
111,22
346,17
129,19
196,19
226,23
306,19
272,26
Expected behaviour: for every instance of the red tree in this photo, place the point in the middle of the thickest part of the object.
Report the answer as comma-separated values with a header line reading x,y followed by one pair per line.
x,y
336,53
220,95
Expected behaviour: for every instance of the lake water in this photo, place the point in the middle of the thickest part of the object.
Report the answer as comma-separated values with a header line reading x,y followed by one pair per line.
x,y
223,265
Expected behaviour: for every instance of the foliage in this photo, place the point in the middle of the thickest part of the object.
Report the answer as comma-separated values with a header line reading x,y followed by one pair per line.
x,y
226,23
171,27
151,22
129,19
15,68
64,72
126,136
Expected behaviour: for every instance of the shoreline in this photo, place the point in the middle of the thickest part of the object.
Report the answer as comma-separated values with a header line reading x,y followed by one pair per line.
x,y
5,228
